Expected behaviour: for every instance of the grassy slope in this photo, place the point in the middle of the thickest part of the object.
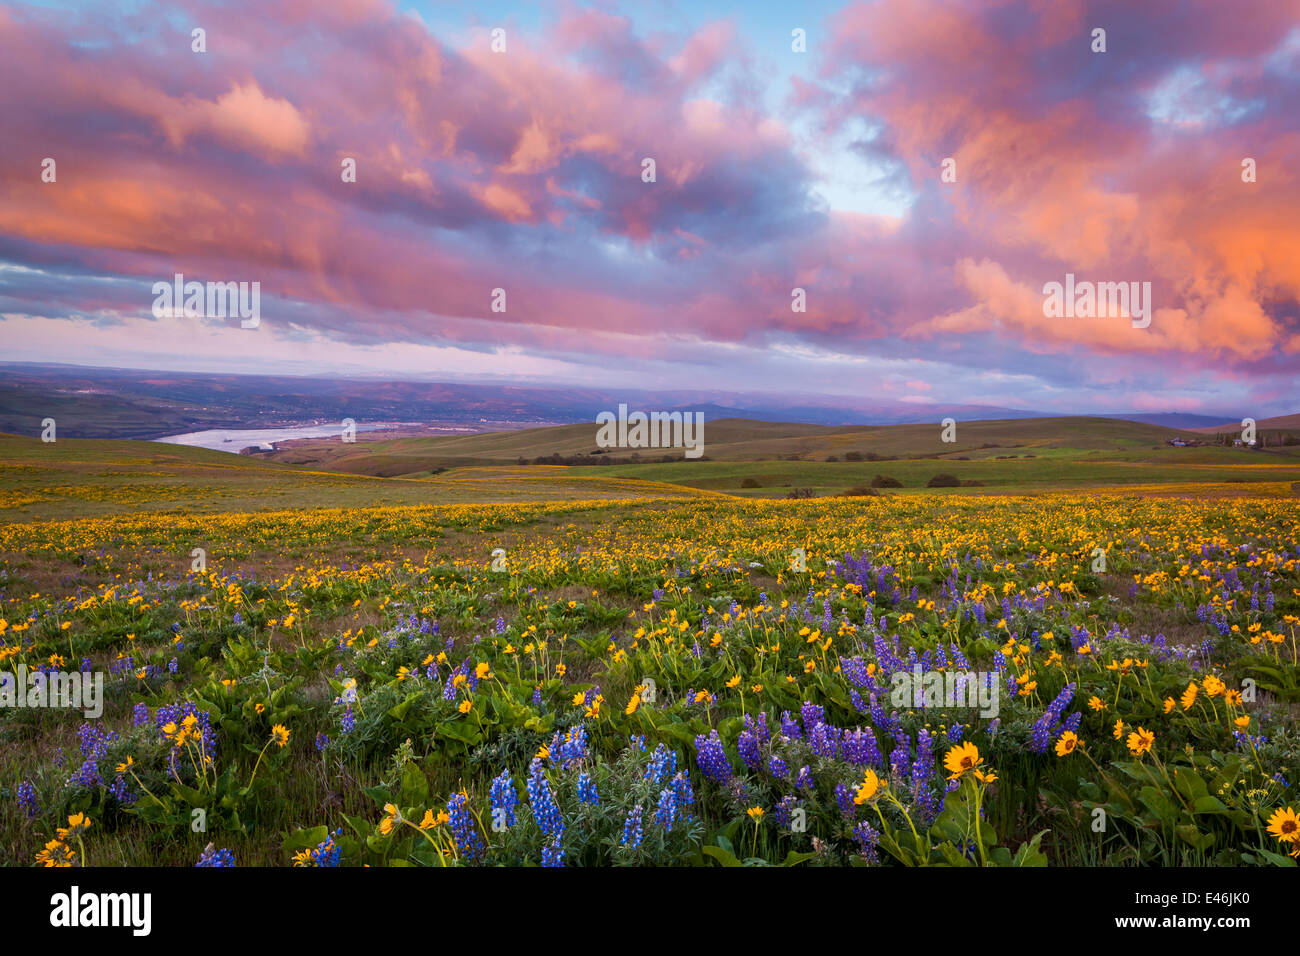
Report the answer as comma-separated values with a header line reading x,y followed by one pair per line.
x,y
74,478
1016,476
79,413
732,439
91,477
1027,455
1290,423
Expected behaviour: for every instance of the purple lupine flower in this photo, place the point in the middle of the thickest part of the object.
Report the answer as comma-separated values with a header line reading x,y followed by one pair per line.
x,y
712,758
463,828
844,799
824,740
860,749
666,809
663,764
632,831
214,857
782,811
748,746
868,839
504,798
553,854
683,795
27,799
546,812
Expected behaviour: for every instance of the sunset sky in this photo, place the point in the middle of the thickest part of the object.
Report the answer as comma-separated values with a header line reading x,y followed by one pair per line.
x,y
775,169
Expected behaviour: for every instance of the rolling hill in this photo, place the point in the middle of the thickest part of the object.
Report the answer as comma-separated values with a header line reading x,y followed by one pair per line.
x,y
737,439
774,459
1284,423
74,478
92,477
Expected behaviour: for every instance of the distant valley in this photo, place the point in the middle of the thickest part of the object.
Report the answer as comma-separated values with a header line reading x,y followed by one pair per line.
x,y
145,404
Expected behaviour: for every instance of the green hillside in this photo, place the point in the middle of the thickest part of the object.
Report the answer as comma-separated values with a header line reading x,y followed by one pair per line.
x,y
90,477
743,440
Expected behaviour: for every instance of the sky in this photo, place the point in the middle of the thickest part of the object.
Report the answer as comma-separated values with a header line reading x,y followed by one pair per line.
x,y
776,169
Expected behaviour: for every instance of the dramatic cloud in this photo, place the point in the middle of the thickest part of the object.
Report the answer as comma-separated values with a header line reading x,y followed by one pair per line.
x,y
523,170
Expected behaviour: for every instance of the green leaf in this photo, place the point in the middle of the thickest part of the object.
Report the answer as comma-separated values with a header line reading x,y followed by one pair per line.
x,y
415,787
1189,784
1209,804
540,724
1159,804
1194,837
306,839
953,856
398,712
191,796
360,825
722,856
1029,854
462,730
1277,859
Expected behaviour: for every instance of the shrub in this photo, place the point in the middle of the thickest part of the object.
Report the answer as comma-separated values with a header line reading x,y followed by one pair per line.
x,y
750,483
944,481
885,481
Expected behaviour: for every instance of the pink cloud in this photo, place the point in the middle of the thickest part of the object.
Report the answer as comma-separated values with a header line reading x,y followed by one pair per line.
x,y
478,170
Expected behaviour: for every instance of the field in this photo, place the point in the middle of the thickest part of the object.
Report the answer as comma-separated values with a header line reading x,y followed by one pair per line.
x,y
771,459
617,665
86,478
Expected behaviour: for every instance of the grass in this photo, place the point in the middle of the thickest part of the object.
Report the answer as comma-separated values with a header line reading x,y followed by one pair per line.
x,y
94,477
729,439
1015,476
599,596
569,591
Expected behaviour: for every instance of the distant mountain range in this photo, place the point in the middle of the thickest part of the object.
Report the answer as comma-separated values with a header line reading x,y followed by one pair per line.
x,y
146,404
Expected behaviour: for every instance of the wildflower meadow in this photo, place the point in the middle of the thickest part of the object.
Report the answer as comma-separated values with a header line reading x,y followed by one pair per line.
x,y
1077,680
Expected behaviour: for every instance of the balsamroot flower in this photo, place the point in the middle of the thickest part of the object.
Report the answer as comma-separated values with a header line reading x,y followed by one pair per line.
x,y
869,787
1140,741
962,758
1285,825
1066,743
